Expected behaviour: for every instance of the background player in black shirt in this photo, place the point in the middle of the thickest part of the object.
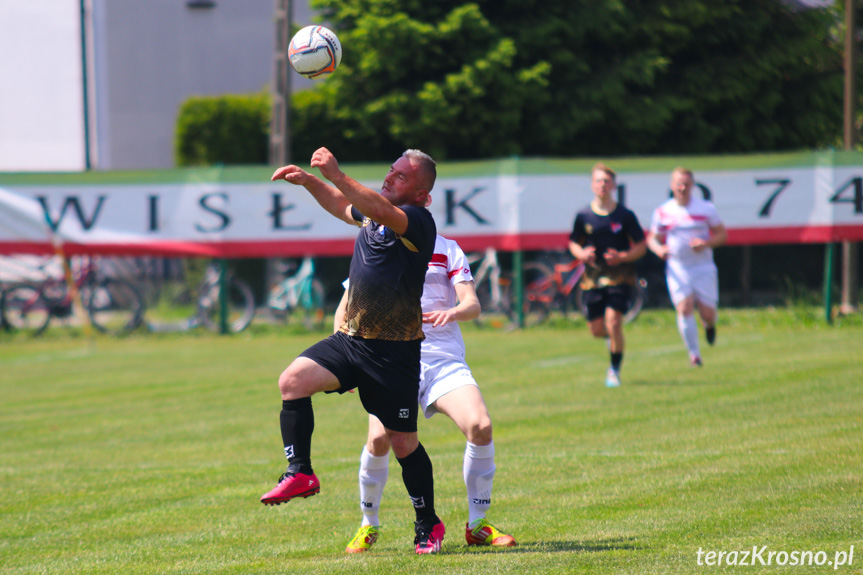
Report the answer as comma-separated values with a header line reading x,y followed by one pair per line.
x,y
608,239
377,348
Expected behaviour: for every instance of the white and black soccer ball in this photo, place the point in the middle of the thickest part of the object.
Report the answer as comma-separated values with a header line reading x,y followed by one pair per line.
x,y
315,52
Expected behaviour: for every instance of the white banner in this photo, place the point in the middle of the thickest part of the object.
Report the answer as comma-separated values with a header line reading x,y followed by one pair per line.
x,y
522,211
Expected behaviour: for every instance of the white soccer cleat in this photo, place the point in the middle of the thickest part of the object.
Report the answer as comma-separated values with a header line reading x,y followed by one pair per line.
x,y
612,378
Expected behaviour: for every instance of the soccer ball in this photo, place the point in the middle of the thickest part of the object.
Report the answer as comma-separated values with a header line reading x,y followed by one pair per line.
x,y
315,52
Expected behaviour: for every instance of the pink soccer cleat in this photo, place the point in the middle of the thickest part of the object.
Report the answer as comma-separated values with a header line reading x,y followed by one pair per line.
x,y
292,485
429,541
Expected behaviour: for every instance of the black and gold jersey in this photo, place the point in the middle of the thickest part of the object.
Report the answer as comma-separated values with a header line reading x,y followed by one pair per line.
x,y
617,230
387,274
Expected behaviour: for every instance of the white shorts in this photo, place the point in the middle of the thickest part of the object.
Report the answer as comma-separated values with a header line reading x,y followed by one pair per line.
x,y
701,281
439,377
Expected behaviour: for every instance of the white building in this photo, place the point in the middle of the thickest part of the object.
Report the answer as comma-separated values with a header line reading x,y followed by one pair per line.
x,y
143,59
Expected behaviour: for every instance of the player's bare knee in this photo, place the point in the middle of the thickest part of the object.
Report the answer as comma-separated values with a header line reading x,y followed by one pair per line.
x,y
686,307
378,445
708,315
479,433
289,384
403,443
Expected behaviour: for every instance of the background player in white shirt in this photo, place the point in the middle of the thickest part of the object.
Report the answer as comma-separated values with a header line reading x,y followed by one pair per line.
x,y
684,231
446,386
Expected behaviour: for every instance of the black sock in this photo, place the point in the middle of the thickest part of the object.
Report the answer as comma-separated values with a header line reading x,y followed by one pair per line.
x,y
418,476
616,360
297,421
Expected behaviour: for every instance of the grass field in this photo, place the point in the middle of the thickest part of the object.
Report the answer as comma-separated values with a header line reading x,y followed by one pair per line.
x,y
148,454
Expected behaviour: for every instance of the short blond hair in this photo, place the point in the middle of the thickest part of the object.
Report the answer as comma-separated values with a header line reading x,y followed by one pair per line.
x,y
603,168
684,171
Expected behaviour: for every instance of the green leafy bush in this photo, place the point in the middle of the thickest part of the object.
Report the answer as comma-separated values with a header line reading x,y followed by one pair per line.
x,y
228,129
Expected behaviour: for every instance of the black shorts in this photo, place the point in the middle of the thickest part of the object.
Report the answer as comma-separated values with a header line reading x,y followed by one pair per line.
x,y
386,374
596,300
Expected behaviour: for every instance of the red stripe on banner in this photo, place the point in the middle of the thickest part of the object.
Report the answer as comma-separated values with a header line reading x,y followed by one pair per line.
x,y
794,235
736,237
192,249
469,243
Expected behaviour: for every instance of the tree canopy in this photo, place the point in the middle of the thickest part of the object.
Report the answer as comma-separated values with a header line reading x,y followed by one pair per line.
x,y
494,78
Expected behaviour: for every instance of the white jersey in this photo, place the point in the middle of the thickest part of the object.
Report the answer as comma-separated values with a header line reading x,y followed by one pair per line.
x,y
677,225
442,362
447,268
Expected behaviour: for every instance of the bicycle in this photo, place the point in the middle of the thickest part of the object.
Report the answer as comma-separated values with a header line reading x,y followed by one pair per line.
x,y
206,299
557,288
493,289
113,305
240,302
300,290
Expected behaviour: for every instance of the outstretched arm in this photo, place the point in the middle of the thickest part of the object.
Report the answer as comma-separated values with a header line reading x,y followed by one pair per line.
x,y
330,198
366,200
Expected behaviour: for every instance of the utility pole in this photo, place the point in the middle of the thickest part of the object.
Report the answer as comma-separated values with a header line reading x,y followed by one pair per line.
x,y
280,110
849,249
85,82
280,114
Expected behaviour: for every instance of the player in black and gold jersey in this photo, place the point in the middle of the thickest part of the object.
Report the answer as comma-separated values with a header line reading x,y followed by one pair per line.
x,y
608,239
377,348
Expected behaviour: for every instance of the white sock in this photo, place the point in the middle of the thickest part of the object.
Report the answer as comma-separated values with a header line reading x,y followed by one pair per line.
x,y
478,477
374,472
689,332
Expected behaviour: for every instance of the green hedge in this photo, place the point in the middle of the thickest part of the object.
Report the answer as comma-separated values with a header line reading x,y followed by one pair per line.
x,y
230,129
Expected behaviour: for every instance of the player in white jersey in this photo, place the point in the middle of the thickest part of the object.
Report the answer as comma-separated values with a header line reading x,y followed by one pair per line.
x,y
446,386
684,231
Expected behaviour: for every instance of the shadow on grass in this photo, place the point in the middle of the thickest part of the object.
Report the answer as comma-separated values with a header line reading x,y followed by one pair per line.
x,y
616,544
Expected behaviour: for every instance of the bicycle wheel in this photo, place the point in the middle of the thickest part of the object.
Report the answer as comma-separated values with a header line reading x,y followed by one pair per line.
x,y
24,309
539,292
115,306
240,310
278,304
497,309
636,300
